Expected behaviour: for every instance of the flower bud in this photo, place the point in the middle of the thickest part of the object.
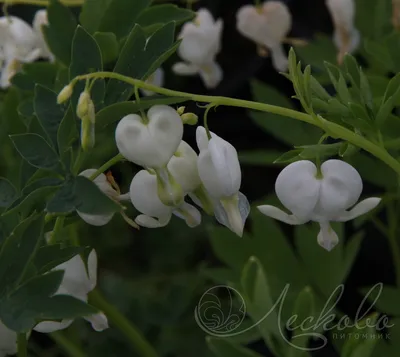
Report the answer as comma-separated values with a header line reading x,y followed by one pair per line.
x,y
88,128
181,110
189,118
82,108
65,94
150,144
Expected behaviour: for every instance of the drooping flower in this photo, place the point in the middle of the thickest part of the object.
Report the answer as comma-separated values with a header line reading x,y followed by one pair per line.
x,y
267,25
18,44
156,79
155,214
40,19
150,142
220,173
201,42
321,199
105,186
8,341
346,36
77,282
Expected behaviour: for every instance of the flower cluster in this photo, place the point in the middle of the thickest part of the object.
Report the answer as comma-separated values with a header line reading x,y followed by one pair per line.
x,y
173,170
21,43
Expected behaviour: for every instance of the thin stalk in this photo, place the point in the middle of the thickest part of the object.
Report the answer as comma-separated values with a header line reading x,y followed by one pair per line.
x,y
107,165
22,344
136,339
69,347
332,129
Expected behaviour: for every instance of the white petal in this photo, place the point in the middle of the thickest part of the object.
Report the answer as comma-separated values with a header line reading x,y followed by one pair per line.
x,y
342,12
99,322
76,280
279,58
277,213
202,138
144,197
10,68
279,21
50,326
211,74
298,189
183,167
185,69
96,219
92,269
156,79
341,188
359,209
152,144
327,237
8,341
101,182
150,222
190,214
233,213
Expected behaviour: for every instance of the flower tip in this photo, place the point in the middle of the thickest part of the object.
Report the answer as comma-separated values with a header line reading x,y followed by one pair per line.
x,y
65,94
189,118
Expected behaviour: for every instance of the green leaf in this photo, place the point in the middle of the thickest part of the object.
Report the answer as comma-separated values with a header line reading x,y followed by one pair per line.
x,y
222,348
67,132
380,53
117,111
60,31
49,113
42,73
86,58
139,58
35,150
82,195
291,132
8,193
26,108
259,300
92,14
11,123
287,157
343,91
108,44
366,95
50,256
162,14
18,251
121,16
352,69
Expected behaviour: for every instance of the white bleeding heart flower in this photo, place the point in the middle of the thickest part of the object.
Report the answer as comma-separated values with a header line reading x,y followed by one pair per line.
x,y
346,36
155,214
8,341
40,19
267,25
156,79
77,282
201,42
18,44
105,186
320,199
220,173
150,143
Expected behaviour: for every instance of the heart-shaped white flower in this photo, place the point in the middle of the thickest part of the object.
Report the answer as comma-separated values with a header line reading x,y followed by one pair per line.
x,y
267,25
77,282
320,199
40,19
150,143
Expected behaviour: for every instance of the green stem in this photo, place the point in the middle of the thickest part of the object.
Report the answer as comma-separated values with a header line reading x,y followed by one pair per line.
x,y
332,129
392,235
79,161
72,349
22,344
138,342
58,226
107,165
